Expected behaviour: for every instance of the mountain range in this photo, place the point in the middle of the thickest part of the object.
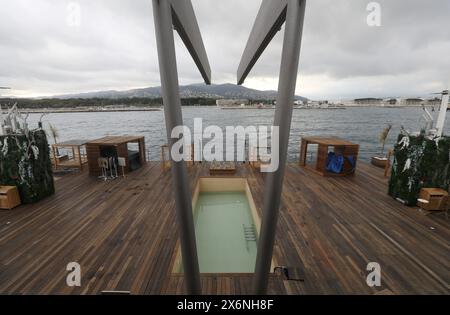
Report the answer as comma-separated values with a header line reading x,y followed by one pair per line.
x,y
217,91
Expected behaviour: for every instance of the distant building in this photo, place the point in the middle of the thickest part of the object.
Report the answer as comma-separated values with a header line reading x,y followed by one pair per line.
x,y
413,101
433,101
232,102
390,101
368,101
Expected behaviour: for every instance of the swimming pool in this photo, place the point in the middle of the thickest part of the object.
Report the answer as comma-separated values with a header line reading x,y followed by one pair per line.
x,y
226,226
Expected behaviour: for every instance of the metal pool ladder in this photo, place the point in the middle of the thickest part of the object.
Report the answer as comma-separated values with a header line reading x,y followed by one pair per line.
x,y
249,234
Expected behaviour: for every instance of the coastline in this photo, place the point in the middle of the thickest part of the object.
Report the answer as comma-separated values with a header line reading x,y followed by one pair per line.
x,y
86,110
160,108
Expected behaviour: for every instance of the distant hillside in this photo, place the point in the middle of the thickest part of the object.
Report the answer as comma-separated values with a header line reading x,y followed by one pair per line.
x,y
188,91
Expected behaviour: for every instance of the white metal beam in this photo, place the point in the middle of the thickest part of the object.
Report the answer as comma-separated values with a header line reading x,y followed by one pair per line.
x,y
269,20
185,23
442,113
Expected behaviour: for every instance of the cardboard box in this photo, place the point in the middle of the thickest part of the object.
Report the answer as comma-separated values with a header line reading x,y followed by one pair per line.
x,y
9,197
434,199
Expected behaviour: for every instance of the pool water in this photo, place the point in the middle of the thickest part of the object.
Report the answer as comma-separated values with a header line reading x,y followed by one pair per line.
x,y
225,233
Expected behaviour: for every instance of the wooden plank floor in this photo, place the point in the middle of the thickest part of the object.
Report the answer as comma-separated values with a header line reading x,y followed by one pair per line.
x,y
124,235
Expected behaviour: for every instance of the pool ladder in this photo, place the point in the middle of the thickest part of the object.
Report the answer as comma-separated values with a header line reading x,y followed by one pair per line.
x,y
249,234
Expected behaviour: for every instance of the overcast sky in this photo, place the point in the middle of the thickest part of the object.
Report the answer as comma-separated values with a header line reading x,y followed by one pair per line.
x,y
46,50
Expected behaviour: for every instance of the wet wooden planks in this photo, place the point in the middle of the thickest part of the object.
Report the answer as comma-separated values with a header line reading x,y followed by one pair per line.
x,y
124,235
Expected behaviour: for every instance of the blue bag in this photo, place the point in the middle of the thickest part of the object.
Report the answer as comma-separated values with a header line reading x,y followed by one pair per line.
x,y
335,163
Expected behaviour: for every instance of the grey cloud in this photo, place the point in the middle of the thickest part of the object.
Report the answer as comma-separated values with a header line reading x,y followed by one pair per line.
x,y
114,47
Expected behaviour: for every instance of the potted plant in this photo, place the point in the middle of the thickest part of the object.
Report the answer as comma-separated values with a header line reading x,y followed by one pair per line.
x,y
55,135
381,160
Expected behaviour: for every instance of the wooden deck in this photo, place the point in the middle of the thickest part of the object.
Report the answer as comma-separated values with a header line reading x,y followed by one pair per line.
x,y
124,235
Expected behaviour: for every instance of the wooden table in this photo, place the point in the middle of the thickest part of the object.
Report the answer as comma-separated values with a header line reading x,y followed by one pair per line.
x,y
76,160
116,146
325,144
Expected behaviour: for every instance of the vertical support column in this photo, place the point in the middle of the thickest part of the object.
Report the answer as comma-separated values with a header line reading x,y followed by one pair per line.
x,y
283,116
79,157
73,153
303,152
172,110
442,113
55,158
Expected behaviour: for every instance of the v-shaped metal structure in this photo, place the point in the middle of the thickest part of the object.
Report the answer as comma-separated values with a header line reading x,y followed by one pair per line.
x,y
179,14
271,16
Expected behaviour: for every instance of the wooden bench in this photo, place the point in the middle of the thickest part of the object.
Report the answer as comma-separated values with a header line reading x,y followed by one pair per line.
x,y
222,168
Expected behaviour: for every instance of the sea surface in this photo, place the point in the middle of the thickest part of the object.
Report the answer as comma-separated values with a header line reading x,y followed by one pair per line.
x,y
360,125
